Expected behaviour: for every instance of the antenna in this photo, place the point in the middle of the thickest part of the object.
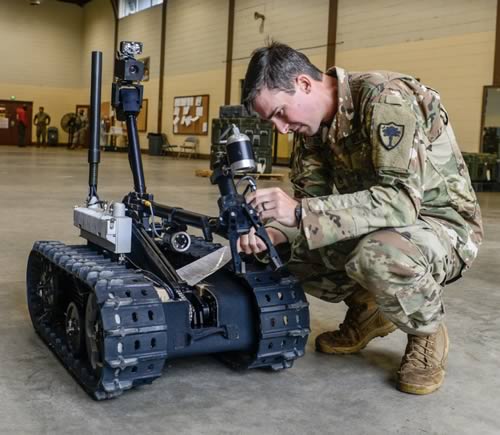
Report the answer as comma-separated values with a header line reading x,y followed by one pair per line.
x,y
95,125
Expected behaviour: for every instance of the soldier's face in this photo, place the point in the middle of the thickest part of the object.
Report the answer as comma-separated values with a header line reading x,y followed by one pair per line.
x,y
297,113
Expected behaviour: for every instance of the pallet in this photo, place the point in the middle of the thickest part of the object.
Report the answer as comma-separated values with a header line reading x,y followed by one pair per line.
x,y
208,173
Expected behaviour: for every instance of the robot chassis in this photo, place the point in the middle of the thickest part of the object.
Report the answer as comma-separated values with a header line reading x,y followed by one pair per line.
x,y
115,310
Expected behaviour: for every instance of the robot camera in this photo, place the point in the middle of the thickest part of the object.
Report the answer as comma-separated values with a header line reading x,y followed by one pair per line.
x,y
127,68
130,48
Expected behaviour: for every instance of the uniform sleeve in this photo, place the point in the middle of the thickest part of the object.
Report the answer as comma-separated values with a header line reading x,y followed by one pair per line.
x,y
398,142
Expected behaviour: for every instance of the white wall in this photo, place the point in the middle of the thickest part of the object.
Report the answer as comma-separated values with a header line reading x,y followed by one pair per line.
x,y
41,51
145,27
42,44
448,44
302,25
48,53
195,55
98,35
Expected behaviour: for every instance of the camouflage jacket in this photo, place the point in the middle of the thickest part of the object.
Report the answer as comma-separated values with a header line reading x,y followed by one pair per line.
x,y
41,119
380,165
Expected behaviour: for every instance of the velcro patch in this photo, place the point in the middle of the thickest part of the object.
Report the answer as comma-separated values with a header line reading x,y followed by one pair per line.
x,y
391,134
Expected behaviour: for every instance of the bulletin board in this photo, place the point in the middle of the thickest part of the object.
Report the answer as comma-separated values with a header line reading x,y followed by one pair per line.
x,y
190,115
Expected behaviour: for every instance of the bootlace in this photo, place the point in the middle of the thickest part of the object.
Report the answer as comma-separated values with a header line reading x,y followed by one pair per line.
x,y
350,323
420,353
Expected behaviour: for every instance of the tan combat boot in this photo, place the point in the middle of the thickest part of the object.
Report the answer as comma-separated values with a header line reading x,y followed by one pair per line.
x,y
422,367
363,322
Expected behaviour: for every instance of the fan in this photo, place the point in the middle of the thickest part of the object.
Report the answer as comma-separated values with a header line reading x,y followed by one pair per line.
x,y
69,125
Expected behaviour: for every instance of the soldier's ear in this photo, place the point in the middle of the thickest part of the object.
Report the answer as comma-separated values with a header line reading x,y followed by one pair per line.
x,y
303,82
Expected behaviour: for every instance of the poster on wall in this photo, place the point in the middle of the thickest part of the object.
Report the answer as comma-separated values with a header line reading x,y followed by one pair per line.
x,y
145,61
190,114
83,109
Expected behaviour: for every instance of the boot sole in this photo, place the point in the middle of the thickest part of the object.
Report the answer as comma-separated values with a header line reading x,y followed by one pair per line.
x,y
381,332
419,389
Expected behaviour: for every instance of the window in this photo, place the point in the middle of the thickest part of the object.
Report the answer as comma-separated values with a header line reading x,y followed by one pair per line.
x,y
128,7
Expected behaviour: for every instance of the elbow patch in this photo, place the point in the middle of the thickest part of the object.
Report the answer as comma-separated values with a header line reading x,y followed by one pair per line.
x,y
392,136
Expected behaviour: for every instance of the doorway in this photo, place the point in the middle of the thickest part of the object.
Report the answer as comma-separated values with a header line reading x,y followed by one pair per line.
x,y
490,122
8,121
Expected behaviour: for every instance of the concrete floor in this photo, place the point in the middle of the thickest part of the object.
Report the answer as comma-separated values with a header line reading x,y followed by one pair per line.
x,y
320,394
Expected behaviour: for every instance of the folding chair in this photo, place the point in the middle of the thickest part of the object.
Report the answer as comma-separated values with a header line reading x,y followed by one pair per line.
x,y
189,147
167,146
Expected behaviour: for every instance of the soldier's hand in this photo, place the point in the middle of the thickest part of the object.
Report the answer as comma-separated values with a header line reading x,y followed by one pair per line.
x,y
252,244
274,203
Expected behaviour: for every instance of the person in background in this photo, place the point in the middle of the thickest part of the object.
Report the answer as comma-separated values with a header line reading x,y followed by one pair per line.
x,y
41,120
81,126
22,123
104,130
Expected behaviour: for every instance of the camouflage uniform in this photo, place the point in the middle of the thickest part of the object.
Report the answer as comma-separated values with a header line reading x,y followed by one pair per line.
x,y
387,202
41,120
80,134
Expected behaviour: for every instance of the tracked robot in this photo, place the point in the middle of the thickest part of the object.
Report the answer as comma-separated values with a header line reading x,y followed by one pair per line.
x,y
143,290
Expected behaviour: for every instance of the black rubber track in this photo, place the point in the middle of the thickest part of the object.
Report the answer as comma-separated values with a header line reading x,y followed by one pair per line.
x,y
129,309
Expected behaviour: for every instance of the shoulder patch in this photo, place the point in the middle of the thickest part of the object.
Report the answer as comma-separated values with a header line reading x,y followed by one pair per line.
x,y
390,134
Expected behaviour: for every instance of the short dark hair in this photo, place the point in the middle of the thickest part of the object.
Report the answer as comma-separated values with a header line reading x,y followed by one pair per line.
x,y
275,66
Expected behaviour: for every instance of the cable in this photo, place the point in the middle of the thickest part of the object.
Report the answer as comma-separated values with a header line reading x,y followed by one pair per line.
x,y
153,278
153,219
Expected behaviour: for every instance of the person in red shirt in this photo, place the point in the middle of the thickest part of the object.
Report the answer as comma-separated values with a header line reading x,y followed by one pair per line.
x,y
22,123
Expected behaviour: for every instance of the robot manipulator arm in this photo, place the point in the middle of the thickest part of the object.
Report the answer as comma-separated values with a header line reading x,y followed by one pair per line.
x,y
236,216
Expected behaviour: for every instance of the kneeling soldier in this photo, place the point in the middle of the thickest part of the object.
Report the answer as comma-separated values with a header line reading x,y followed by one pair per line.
x,y
384,214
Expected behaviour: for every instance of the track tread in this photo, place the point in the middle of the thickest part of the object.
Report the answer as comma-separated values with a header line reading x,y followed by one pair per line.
x,y
132,318
283,315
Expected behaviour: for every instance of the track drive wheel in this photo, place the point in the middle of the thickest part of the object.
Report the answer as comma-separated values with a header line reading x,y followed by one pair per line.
x,y
42,289
74,329
94,337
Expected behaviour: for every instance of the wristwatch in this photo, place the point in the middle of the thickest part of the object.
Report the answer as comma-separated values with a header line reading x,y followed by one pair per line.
x,y
298,214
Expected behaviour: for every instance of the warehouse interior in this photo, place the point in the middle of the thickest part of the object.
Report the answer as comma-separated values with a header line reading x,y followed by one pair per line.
x,y
196,54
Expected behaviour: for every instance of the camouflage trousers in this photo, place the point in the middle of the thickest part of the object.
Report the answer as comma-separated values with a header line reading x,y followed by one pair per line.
x,y
41,134
405,269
